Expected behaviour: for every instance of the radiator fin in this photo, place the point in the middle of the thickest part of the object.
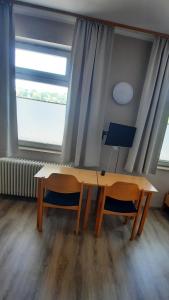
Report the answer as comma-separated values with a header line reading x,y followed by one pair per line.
x,y
17,176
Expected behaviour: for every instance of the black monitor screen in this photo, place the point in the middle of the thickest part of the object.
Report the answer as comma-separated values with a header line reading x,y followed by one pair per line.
x,y
120,135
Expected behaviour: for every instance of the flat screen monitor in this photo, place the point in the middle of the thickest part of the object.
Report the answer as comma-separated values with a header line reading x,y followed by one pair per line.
x,y
120,135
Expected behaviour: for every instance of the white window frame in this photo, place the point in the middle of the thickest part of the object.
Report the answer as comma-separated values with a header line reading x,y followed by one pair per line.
x,y
43,77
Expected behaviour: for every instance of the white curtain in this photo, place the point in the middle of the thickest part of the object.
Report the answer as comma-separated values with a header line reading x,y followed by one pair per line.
x,y
153,112
91,62
8,119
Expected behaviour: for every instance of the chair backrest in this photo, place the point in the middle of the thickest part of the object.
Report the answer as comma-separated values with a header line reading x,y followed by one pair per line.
x,y
62,183
123,191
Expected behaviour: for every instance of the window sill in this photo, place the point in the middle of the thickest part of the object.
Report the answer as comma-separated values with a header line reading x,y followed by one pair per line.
x,y
24,148
162,167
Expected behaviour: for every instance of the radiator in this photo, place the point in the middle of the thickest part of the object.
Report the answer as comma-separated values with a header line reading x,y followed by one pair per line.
x,y
17,176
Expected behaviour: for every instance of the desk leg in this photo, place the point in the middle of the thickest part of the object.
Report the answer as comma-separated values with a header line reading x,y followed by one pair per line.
x,y
39,205
100,198
87,208
144,215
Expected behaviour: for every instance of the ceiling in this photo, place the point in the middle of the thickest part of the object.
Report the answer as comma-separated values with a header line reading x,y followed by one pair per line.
x,y
149,14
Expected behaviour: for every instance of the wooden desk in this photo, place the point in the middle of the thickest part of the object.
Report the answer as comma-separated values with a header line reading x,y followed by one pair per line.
x,y
87,177
92,178
143,184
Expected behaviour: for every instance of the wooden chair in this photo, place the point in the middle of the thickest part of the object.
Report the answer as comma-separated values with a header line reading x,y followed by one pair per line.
x,y
123,199
60,191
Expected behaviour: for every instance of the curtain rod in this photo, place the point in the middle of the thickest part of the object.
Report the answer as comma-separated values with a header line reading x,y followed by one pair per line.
x,y
106,22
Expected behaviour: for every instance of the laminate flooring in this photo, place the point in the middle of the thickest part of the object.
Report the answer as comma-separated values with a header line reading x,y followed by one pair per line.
x,y
56,264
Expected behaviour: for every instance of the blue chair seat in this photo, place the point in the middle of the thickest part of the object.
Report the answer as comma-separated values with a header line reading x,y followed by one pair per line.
x,y
119,206
69,199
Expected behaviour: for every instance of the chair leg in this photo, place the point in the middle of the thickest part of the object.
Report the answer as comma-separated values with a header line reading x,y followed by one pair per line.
x,y
133,233
87,209
77,222
99,224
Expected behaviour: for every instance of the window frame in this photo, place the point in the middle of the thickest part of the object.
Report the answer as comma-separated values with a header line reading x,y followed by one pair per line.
x,y
40,76
43,77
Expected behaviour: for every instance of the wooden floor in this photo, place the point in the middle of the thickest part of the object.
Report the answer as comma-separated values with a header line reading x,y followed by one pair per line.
x,y
58,265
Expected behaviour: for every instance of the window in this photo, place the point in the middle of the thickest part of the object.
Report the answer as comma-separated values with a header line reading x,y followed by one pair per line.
x,y
164,155
42,77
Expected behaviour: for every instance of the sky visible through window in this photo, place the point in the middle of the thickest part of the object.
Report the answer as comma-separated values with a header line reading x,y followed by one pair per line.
x,y
40,61
164,155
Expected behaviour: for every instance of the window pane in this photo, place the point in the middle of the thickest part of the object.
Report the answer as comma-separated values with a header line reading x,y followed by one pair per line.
x,y
41,112
41,91
164,155
40,61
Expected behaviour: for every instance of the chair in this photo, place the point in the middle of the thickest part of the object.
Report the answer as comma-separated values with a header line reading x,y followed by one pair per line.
x,y
123,199
60,191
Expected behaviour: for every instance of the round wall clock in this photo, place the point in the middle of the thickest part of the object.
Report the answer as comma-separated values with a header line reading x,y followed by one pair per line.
x,y
123,93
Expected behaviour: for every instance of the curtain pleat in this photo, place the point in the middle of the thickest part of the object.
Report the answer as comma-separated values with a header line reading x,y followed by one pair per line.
x,y
91,62
153,112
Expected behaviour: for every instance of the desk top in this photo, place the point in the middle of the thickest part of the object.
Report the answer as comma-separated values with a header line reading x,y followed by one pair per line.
x,y
88,177
111,178
94,178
